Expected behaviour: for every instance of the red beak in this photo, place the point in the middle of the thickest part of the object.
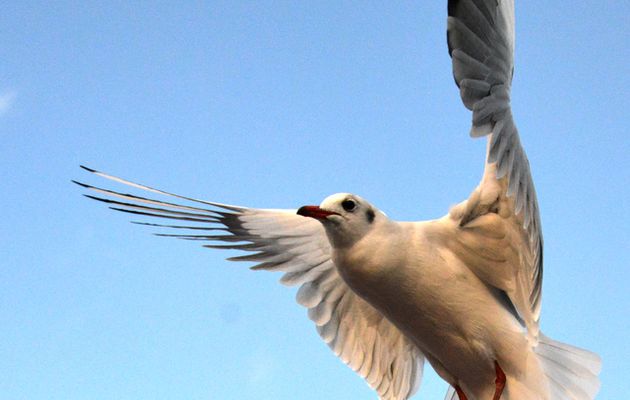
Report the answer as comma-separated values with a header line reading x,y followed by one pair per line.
x,y
315,212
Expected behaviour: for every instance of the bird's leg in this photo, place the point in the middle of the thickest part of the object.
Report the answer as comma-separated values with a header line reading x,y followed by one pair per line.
x,y
499,381
460,393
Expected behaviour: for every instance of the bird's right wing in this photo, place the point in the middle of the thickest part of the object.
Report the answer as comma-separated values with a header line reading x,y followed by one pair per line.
x,y
281,240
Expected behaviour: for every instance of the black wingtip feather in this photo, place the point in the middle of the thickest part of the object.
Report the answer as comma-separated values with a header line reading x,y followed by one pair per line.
x,y
108,201
162,215
452,5
83,185
198,228
88,169
450,50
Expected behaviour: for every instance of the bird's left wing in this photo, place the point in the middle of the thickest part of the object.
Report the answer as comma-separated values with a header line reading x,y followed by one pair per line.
x,y
451,394
281,240
500,235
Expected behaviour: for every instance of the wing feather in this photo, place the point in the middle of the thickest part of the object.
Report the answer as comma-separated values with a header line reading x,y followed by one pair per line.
x,y
481,44
281,240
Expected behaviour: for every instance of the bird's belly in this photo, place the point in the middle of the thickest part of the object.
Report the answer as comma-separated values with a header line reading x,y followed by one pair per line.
x,y
452,316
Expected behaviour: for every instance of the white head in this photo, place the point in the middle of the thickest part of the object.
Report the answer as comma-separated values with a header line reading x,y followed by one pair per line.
x,y
346,217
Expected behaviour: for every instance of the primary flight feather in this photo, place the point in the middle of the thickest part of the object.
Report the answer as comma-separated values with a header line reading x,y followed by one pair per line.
x,y
463,291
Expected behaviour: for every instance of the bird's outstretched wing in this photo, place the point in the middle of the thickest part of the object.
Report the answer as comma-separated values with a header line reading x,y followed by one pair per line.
x,y
281,240
500,234
451,394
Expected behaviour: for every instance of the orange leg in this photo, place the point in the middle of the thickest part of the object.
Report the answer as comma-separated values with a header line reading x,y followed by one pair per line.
x,y
499,381
460,393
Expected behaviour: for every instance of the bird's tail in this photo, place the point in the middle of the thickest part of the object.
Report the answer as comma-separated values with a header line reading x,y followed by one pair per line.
x,y
572,373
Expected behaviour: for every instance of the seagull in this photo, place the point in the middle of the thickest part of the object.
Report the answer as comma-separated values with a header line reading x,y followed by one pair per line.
x,y
462,292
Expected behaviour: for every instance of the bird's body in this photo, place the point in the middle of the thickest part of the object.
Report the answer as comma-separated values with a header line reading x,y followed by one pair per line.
x,y
462,291
460,324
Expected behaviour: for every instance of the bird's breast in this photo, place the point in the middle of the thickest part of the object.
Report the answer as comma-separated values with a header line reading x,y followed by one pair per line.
x,y
425,291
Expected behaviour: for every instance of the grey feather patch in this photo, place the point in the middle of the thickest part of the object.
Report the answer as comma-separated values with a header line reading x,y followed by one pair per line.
x,y
514,182
466,67
308,295
473,90
328,332
321,313
300,277
480,24
506,162
499,142
481,130
491,108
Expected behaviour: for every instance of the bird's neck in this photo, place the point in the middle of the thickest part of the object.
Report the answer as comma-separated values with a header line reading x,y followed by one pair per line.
x,y
365,264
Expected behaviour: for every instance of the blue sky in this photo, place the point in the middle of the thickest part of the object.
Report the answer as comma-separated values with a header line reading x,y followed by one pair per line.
x,y
278,104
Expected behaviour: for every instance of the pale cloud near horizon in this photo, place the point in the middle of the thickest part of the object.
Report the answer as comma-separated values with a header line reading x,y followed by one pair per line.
x,y
7,99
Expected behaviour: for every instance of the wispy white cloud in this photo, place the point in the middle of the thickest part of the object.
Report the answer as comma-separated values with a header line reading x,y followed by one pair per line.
x,y
7,99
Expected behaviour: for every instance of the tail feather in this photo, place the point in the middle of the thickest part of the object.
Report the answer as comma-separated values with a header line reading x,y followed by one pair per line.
x,y
572,372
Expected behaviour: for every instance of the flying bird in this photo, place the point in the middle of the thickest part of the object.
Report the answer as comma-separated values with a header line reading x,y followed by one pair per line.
x,y
462,292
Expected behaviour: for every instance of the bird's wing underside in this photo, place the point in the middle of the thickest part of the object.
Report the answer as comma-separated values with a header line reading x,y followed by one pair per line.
x,y
451,394
281,240
499,233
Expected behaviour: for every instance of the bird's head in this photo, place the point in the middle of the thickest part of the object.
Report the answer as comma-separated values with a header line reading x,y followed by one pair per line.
x,y
346,217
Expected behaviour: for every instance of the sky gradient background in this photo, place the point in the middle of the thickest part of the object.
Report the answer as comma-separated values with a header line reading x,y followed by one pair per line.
x,y
278,104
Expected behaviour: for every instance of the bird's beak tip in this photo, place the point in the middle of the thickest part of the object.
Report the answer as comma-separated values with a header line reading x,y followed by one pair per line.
x,y
314,212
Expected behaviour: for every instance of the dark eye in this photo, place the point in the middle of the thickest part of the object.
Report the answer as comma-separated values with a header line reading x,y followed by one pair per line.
x,y
348,205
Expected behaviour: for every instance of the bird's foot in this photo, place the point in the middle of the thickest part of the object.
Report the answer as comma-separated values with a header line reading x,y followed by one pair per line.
x,y
499,381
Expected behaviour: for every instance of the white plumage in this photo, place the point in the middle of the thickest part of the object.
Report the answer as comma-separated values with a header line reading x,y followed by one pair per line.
x,y
462,291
